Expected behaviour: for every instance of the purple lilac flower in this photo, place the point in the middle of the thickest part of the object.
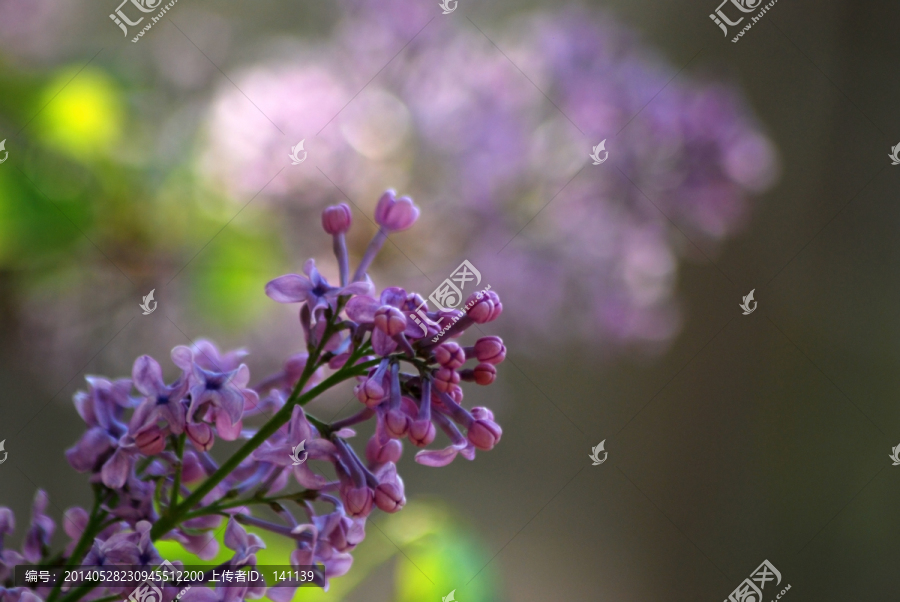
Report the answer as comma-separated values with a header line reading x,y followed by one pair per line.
x,y
312,289
139,471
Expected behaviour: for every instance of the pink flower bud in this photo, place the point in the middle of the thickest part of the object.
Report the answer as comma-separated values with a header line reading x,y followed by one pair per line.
x,y
485,374
336,219
421,432
415,301
481,308
450,355
444,378
389,495
484,434
498,307
379,454
456,393
482,413
357,500
395,214
150,441
396,423
490,350
370,392
200,435
390,320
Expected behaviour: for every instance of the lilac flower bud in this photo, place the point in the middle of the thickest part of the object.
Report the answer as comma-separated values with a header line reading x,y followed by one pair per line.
x,y
151,440
394,214
421,432
390,320
444,378
485,373
389,495
481,308
201,435
484,433
336,219
370,392
455,392
498,306
379,454
482,413
450,355
490,350
396,423
357,500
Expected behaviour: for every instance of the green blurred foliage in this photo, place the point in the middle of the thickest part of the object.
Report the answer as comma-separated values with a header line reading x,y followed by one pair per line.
x,y
81,116
74,185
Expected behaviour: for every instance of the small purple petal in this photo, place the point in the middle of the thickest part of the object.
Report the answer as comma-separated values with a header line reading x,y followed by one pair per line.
x,y
147,375
84,454
290,288
115,471
361,309
439,457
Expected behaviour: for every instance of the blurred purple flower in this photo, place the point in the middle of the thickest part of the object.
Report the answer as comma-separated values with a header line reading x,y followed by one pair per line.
x,y
453,117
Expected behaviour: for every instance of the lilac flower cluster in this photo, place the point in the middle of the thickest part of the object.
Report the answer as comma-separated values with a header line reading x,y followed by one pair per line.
x,y
458,120
141,464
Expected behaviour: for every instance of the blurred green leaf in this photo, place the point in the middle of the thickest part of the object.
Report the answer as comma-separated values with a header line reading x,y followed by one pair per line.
x,y
82,114
229,284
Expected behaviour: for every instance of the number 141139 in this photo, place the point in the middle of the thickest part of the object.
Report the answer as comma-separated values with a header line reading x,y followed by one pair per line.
x,y
293,575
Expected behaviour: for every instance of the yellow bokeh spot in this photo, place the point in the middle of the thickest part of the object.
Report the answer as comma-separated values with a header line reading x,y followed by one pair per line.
x,y
82,113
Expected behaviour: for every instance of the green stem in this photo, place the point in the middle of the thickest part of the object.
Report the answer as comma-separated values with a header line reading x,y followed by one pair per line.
x,y
217,508
179,453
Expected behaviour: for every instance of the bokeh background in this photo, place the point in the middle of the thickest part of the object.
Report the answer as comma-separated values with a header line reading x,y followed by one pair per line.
x,y
163,164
